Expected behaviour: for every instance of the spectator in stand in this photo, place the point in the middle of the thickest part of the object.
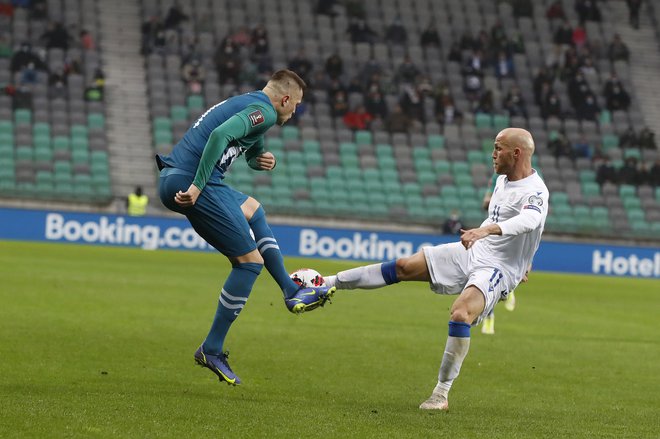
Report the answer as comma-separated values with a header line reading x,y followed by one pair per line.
x,y
242,37
616,97
39,10
396,33
542,80
326,7
228,62
334,66
407,71
617,50
175,16
302,65
504,66
467,41
486,103
605,172
430,36
86,40
582,147
446,111
628,174
412,102
24,57
647,139
522,8
589,109
482,43
29,75
655,173
587,10
564,34
455,54
578,88
193,74
23,97
259,38
643,175
57,84
398,121
355,9
579,37
555,11
633,12
628,138
374,102
498,38
514,103
153,35
551,106
559,145
56,36
360,31
453,224
338,103
358,118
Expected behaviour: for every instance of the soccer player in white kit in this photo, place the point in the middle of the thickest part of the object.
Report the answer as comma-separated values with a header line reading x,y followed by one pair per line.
x,y
484,266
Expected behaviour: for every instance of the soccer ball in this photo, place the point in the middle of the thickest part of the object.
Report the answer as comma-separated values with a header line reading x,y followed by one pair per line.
x,y
307,278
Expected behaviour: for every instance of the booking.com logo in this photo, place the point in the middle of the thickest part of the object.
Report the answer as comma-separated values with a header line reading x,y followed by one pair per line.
x,y
117,232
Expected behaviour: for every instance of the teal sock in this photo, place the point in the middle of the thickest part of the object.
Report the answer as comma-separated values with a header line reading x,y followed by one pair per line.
x,y
234,295
270,251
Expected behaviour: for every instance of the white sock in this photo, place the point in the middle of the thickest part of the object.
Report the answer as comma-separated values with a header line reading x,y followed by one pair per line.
x,y
455,351
367,277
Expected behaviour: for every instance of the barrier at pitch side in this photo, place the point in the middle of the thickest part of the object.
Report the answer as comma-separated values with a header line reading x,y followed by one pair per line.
x,y
153,233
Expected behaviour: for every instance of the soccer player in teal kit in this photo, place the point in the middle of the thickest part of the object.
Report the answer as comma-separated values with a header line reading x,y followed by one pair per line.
x,y
191,184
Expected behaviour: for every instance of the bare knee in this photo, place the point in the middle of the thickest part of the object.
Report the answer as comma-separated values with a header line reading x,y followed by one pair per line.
x,y
461,314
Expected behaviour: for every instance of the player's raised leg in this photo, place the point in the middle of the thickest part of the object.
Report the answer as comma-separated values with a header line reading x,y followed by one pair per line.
x,y
379,275
464,311
297,299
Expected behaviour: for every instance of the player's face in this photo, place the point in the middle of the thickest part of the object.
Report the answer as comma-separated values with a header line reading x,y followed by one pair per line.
x,y
503,157
288,107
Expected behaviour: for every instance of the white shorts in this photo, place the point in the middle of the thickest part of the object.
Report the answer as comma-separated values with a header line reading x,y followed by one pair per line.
x,y
448,267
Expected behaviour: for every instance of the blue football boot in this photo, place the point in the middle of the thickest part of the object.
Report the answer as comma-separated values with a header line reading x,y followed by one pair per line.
x,y
307,299
218,365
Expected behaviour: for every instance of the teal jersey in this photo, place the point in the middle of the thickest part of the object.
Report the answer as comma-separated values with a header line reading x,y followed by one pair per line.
x,y
226,131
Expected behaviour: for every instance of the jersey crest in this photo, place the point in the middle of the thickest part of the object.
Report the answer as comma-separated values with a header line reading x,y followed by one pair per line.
x,y
256,118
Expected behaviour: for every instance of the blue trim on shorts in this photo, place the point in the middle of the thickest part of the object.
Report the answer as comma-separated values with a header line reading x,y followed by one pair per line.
x,y
459,329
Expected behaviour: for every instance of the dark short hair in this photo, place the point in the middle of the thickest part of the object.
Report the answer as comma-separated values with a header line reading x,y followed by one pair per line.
x,y
285,76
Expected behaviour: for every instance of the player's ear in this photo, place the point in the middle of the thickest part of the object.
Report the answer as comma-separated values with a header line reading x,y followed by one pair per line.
x,y
285,99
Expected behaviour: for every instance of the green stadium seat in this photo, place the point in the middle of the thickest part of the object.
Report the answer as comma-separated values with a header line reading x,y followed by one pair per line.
x,y
632,203
274,143
312,158
449,191
635,214
561,210
627,190
41,128
599,213
162,136
386,162
640,227
294,158
487,146
389,175
475,157
501,121
441,167
632,152
363,137
421,154
311,145
605,117
61,143
383,149
334,173
347,148
43,154
483,120
162,123
460,167
435,141
290,132
80,156
24,153
467,192
7,140
426,177
6,127
610,141
179,113
79,143
23,116
95,120
79,131
587,175
590,189
195,102
463,180
424,166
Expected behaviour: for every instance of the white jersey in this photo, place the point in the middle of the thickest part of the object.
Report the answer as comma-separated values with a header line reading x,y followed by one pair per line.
x,y
520,209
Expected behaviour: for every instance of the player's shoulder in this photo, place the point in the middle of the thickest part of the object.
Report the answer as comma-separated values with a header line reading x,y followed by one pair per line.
x,y
536,184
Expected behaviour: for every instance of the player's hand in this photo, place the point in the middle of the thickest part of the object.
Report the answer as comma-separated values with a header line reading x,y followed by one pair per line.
x,y
187,198
469,237
266,161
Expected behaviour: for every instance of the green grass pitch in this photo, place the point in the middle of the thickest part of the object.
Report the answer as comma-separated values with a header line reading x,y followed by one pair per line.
x,y
98,342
